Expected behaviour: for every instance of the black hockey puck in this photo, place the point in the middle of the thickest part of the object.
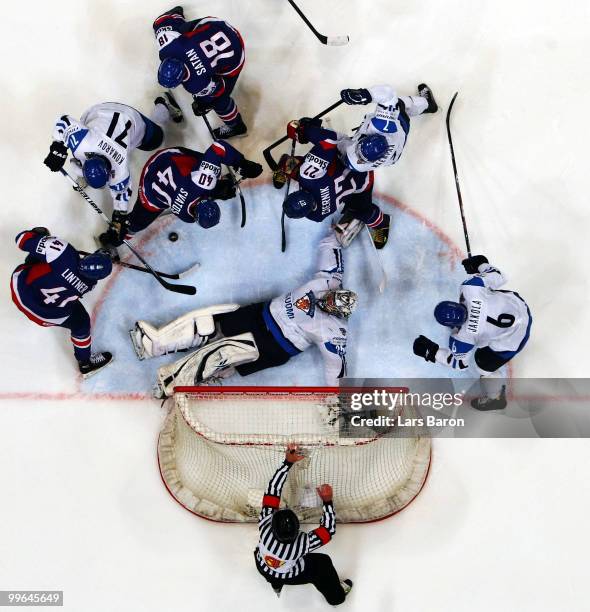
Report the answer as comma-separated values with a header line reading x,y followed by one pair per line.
x,y
173,236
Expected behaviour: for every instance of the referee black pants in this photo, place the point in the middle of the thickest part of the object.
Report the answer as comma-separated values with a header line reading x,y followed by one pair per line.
x,y
318,571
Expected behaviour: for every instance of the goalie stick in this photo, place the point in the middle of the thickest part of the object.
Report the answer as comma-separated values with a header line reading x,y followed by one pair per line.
x,y
173,276
235,180
185,289
335,41
465,233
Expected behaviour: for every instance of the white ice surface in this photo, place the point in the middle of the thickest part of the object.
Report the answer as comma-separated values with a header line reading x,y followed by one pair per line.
x,y
500,524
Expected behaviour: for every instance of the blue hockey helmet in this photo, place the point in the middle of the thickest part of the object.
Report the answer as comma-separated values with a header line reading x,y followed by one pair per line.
x,y
96,171
299,204
208,213
450,314
170,72
95,266
372,147
285,525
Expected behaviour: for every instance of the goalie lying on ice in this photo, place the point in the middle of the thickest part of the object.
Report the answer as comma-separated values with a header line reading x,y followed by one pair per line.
x,y
247,339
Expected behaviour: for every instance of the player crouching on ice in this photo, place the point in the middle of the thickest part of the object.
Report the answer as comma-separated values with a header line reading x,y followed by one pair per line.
x,y
101,141
47,289
206,57
496,323
186,182
284,554
327,185
251,338
380,139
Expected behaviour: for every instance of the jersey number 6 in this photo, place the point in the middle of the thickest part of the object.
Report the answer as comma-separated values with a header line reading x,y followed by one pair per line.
x,y
504,320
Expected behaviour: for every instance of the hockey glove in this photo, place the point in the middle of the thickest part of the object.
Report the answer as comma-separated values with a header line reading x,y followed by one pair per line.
x,y
426,348
249,169
200,107
356,96
296,130
117,231
58,153
225,188
42,231
471,264
177,10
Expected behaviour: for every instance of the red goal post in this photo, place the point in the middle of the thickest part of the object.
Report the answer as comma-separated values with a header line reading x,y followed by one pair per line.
x,y
219,446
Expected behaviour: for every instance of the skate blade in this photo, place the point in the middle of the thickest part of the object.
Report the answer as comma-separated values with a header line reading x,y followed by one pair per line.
x,y
138,349
89,374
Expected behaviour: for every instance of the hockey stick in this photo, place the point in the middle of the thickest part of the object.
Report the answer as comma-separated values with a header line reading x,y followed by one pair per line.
x,y
325,40
283,231
457,176
177,276
235,180
379,259
272,164
185,289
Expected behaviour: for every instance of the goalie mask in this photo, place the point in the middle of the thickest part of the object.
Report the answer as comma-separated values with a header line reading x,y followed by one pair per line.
x,y
339,302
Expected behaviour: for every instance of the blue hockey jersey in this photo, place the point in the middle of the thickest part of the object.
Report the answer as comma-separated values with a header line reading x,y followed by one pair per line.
x,y
323,174
210,49
48,285
179,179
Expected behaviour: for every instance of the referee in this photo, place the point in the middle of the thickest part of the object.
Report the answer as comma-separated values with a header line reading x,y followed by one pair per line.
x,y
284,554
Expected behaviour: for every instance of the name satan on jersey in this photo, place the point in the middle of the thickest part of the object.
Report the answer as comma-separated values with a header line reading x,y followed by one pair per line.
x,y
500,320
210,49
46,289
323,174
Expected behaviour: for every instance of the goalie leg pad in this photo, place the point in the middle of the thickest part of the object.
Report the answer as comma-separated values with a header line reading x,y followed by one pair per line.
x,y
192,329
347,229
208,361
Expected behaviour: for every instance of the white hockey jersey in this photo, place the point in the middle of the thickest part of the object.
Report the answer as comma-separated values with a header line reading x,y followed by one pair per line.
x,y
110,130
301,323
500,320
389,119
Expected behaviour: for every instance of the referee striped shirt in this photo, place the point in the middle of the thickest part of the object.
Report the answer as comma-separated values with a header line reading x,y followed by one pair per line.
x,y
285,561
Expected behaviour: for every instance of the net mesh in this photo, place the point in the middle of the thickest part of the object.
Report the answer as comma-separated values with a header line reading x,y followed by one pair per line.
x,y
219,448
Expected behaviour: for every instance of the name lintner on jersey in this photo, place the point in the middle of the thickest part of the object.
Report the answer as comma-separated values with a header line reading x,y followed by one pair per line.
x,y
76,283
111,152
474,312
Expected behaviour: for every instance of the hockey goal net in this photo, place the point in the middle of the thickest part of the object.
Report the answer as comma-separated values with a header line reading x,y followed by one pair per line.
x,y
219,447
